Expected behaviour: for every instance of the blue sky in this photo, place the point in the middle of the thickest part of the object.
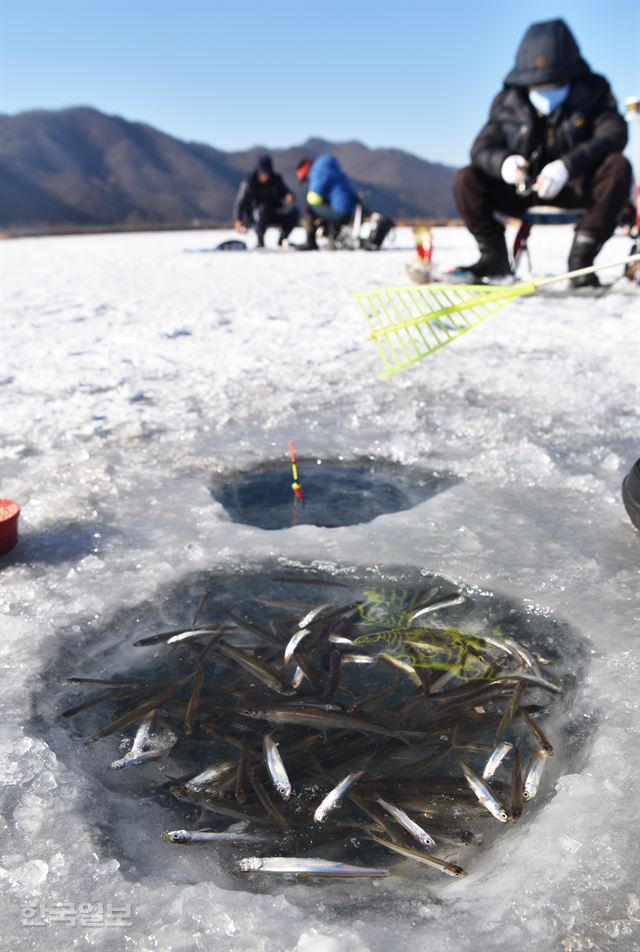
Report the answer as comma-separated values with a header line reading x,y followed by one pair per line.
x,y
417,75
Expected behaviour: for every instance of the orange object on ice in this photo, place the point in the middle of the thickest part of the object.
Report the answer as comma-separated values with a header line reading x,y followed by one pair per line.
x,y
9,512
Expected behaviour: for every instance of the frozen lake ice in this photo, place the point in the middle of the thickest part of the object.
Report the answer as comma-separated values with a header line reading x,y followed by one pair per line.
x,y
132,373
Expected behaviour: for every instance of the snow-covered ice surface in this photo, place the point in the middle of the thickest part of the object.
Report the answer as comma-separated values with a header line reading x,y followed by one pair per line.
x,y
134,371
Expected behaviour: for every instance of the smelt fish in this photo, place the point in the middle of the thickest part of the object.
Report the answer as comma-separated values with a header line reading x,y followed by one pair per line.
x,y
334,796
403,666
305,867
448,602
206,836
281,603
516,788
135,760
410,825
449,868
261,671
146,745
217,804
312,582
188,635
276,767
526,657
333,676
323,719
536,730
496,759
341,640
212,775
298,678
485,794
294,642
312,615
241,787
533,773
532,679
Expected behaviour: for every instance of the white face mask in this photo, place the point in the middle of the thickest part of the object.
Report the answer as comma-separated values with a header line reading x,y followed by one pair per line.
x,y
547,101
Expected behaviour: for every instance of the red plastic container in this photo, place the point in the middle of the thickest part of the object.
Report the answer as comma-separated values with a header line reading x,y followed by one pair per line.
x,y
9,512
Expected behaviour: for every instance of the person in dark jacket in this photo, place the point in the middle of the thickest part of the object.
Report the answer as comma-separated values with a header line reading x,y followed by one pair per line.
x,y
331,197
262,200
554,137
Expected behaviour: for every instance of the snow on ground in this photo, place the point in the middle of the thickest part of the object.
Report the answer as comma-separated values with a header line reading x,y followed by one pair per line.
x,y
134,368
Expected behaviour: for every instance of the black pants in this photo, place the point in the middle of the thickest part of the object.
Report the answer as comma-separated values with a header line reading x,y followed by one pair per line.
x,y
602,194
285,218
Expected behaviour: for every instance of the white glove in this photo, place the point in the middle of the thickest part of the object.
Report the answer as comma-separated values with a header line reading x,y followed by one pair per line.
x,y
513,169
552,179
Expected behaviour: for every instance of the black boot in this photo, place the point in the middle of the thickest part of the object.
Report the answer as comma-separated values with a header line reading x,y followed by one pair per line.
x,y
309,226
585,247
494,258
631,493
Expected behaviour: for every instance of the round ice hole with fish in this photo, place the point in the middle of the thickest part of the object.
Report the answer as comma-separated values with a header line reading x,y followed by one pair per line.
x,y
287,722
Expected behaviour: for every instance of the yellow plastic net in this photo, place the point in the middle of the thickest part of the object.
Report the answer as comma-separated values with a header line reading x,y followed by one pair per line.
x,y
409,323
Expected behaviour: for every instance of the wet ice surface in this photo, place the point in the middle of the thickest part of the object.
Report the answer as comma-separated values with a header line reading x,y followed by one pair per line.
x,y
132,372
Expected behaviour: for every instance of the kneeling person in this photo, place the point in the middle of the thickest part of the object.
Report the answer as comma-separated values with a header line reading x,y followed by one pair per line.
x,y
263,200
331,197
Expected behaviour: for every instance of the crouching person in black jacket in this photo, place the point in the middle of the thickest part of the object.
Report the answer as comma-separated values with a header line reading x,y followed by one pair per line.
x,y
554,137
262,200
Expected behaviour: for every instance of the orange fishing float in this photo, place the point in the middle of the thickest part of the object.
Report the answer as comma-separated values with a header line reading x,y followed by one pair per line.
x,y
295,485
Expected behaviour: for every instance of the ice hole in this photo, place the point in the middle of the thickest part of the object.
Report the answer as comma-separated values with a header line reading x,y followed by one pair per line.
x,y
334,492
127,810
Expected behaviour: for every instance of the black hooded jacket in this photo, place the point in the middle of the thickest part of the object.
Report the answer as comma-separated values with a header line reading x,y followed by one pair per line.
x,y
581,132
253,193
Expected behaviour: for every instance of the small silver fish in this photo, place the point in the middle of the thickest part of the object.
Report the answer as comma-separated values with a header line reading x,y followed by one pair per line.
x,y
449,868
537,732
436,606
410,825
223,769
485,794
496,759
333,798
262,671
135,760
305,867
206,836
533,773
528,679
294,642
341,640
323,718
525,655
312,615
403,666
188,635
147,745
276,768
298,678
516,788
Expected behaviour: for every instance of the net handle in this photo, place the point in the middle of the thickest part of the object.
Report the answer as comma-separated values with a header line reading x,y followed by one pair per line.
x,y
540,282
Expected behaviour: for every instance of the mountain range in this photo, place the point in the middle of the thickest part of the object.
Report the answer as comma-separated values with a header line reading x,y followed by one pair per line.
x,y
78,168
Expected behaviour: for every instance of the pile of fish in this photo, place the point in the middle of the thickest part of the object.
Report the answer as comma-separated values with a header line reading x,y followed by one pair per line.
x,y
334,738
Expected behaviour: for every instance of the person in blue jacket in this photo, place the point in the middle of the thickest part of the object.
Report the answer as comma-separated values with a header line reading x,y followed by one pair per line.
x,y
331,197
